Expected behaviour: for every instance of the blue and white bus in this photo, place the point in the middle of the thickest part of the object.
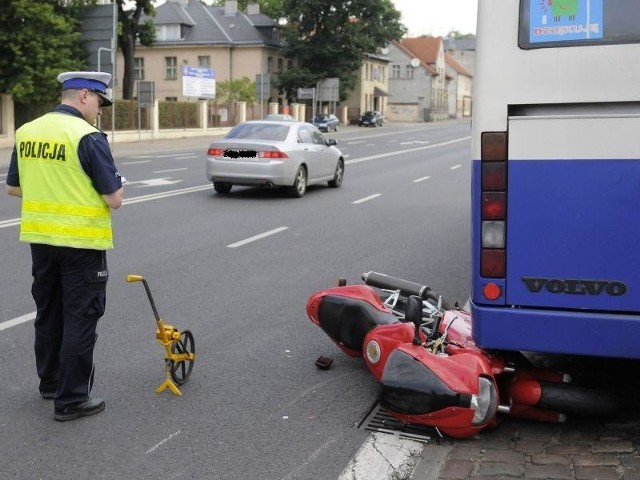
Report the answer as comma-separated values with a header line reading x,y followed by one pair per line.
x,y
556,177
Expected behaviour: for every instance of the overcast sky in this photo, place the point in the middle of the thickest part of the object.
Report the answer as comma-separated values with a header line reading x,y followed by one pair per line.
x,y
438,17
431,17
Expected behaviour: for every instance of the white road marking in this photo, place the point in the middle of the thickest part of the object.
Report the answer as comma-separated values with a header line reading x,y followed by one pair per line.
x,y
135,162
408,150
383,456
366,199
257,237
154,182
170,170
161,442
12,222
455,166
414,141
17,321
422,179
355,143
172,193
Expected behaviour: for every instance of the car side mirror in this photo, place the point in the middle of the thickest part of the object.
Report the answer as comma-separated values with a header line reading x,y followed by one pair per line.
x,y
332,141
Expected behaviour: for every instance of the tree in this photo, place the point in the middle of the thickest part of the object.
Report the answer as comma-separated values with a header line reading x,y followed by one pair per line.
x,y
233,91
130,30
38,40
330,38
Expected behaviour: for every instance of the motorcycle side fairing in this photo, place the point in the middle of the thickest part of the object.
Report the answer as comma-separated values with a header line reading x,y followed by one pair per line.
x,y
347,314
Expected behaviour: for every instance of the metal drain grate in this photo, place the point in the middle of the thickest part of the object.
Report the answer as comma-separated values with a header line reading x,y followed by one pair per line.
x,y
380,420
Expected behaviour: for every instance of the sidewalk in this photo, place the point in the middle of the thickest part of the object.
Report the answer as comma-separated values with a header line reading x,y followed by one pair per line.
x,y
581,449
140,147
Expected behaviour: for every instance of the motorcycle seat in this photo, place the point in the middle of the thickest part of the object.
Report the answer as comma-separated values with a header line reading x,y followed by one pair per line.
x,y
348,320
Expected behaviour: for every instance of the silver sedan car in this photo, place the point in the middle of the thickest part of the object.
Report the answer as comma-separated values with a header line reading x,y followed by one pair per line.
x,y
272,154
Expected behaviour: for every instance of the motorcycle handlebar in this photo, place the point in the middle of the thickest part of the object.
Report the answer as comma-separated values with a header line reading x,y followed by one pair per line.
x,y
407,288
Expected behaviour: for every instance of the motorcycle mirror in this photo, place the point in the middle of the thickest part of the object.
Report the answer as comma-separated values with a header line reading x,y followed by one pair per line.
x,y
414,315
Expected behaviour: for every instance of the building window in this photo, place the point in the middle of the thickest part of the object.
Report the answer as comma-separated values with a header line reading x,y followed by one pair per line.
x,y
171,68
269,64
204,61
408,72
138,68
280,65
171,99
168,32
395,71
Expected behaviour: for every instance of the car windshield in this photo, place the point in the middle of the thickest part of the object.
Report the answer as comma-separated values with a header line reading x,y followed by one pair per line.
x,y
259,131
369,114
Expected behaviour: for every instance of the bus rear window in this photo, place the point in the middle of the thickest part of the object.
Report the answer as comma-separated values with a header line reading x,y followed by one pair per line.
x,y
565,23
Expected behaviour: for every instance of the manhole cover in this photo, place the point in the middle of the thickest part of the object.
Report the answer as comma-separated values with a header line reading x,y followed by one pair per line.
x,y
380,420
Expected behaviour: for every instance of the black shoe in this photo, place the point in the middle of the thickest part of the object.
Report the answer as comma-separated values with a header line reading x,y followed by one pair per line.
x,y
84,409
48,394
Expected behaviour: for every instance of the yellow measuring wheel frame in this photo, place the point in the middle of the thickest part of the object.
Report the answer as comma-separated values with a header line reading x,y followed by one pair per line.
x,y
179,346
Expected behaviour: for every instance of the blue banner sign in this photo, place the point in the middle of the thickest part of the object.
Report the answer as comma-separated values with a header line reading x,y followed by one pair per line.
x,y
563,20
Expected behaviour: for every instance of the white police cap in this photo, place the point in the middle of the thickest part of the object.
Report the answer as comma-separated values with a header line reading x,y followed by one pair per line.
x,y
95,81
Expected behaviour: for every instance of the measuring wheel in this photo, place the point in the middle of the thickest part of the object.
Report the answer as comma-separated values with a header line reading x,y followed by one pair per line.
x,y
181,369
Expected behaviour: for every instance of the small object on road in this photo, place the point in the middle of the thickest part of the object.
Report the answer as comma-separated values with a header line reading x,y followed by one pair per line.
x,y
324,363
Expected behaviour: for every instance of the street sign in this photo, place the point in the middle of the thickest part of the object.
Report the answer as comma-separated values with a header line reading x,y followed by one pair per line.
x,y
198,82
146,93
329,90
306,93
263,86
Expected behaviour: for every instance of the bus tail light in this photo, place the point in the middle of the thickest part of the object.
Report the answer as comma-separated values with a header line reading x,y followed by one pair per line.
x,y
493,208
492,263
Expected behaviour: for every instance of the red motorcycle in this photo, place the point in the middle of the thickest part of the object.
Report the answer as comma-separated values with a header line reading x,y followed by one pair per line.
x,y
432,373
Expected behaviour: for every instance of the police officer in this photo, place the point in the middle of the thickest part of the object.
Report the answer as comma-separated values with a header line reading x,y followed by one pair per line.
x,y
63,169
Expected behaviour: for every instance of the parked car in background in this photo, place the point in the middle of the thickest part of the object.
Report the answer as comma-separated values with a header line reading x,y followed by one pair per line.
x,y
326,122
271,154
279,117
371,118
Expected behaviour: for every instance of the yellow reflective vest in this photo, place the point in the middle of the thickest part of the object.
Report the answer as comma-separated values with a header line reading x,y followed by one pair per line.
x,y
60,206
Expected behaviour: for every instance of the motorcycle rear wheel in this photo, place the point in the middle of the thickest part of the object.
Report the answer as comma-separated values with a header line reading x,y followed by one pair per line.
x,y
581,401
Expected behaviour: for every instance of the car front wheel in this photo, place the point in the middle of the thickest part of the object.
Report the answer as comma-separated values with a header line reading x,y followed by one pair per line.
x,y
337,179
300,184
222,187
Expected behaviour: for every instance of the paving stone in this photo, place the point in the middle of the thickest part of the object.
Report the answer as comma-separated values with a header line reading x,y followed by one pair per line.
x,y
631,474
548,472
539,431
466,452
569,449
599,459
484,477
550,459
596,473
529,447
494,469
630,460
456,469
579,435
503,456
619,446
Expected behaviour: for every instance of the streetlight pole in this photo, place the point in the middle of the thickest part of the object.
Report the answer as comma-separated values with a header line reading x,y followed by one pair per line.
x,y
114,56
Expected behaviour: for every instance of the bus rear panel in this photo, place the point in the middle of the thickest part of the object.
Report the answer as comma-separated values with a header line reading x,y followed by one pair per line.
x,y
556,179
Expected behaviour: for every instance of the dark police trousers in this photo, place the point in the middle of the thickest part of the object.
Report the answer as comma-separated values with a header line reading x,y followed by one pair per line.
x,y
69,288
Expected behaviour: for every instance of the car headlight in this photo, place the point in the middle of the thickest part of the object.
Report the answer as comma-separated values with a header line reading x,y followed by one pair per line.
x,y
485,403
373,351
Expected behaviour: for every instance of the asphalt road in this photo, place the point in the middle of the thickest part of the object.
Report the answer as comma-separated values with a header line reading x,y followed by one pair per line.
x,y
255,407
